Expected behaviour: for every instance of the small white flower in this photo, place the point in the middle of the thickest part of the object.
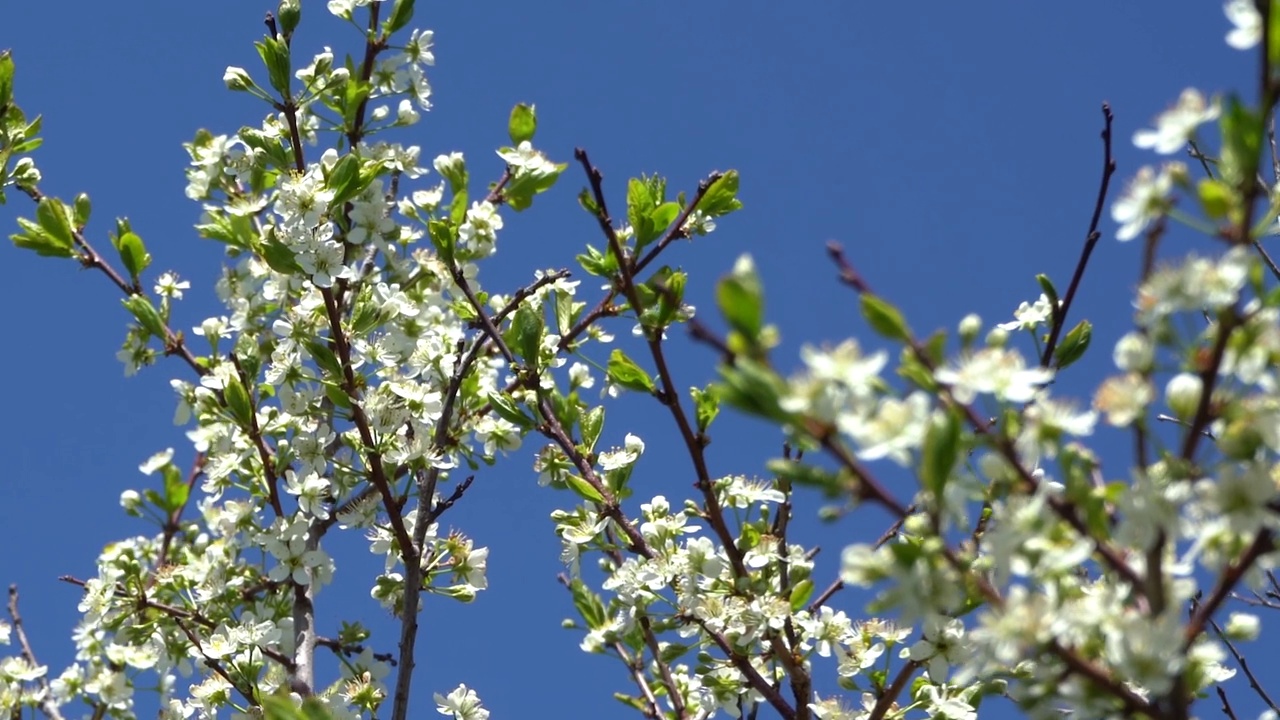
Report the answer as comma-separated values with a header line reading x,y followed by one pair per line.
x,y
1177,125
1144,199
1247,30
461,704
1031,315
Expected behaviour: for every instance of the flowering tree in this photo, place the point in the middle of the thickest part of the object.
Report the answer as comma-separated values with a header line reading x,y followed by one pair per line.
x,y
361,376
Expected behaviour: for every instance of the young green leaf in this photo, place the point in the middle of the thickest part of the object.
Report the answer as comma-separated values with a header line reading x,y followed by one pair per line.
x,y
707,406
592,424
588,604
6,80
583,488
275,55
1073,345
401,14
1241,142
722,197
506,407
238,402
884,318
176,490
1046,286
741,299
343,179
941,449
146,315
35,238
1216,198
522,124
623,371
753,388
800,594
81,210
133,254
525,335
324,357
55,221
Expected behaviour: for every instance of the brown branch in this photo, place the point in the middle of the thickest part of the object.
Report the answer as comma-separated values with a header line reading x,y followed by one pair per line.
x,y
47,704
1091,239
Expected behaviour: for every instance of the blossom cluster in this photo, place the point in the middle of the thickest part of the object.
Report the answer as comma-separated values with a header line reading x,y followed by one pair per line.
x,y
361,374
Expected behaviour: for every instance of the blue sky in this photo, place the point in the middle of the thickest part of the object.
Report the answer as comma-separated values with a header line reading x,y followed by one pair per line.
x,y
951,147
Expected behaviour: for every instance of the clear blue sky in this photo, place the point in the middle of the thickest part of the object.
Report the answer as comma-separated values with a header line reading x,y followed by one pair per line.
x,y
952,147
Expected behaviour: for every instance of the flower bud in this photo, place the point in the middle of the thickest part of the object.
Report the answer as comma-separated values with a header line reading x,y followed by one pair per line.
x,y
1133,353
131,501
289,12
970,325
1240,440
1242,627
997,337
237,79
1183,395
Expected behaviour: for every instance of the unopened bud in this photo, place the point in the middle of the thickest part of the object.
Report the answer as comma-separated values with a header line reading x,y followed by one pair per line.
x,y
237,79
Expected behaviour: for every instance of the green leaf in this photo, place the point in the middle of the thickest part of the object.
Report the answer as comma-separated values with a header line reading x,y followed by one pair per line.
x,y
525,335
588,604
597,263
592,425
623,371
884,318
564,311
670,652
1073,345
401,14
238,402
639,204
722,197
39,241
1241,143
800,594
522,124
275,56
55,221
707,406
741,299
920,376
176,490
443,236
279,257
280,707
1273,46
6,80
337,395
1046,286
941,449
133,254
583,488
799,473
146,315
343,179
314,709
520,192
671,298
506,407
1216,198
81,210
325,359
753,388
663,215
588,202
